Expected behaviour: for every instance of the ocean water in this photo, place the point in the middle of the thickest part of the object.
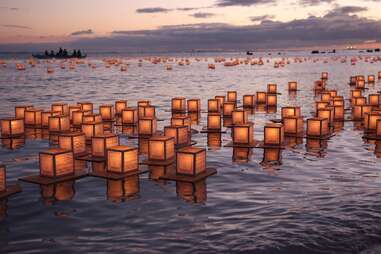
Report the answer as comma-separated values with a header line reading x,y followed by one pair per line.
x,y
322,197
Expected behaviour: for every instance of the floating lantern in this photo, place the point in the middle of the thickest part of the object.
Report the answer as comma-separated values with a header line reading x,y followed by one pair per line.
x,y
180,133
86,106
214,105
232,96
56,162
271,88
161,148
356,93
333,93
143,103
191,161
45,118
194,105
291,111
360,84
271,100
326,96
338,112
93,118
221,99
274,134
324,75
74,141
59,123
228,108
182,121
239,117
317,127
77,118
107,112
214,121
370,121
358,112
374,99
292,86
178,104
120,106
129,116
122,159
371,79
321,104
32,117
327,113
248,101
243,134
92,129
73,108
12,127
293,125
3,179
261,97
62,108
147,126
147,111
19,110
358,101
100,144
338,101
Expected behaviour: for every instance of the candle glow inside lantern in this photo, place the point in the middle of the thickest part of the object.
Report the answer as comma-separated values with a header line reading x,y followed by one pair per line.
x,y
45,118
360,84
100,144
86,106
261,97
56,162
356,93
358,101
93,118
371,79
62,108
92,129
290,111
182,121
358,112
191,161
221,99
147,111
12,127
325,96
74,141
122,159
143,103
194,105
73,108
293,125
120,106
178,104
232,96
324,75
214,121
292,86
161,148
271,100
32,117
147,126
243,134
228,108
77,118
317,127
129,116
338,112
326,113
107,112
370,121
3,179
19,110
274,134
214,106
239,117
374,99
59,123
271,88
248,101
179,133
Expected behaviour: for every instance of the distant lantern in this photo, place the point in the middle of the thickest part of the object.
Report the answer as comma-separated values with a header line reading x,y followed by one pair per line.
x,y
360,84
182,121
271,88
77,118
178,104
194,105
325,96
379,75
86,106
374,99
352,80
92,118
63,108
291,111
73,108
293,125
74,141
12,127
180,133
107,112
214,121
271,100
338,112
130,116
45,118
120,106
214,106
370,120
272,155
338,101
239,116
317,127
147,126
292,86
324,75
147,111
143,103
261,97
228,108
19,110
191,161
356,93
100,144
56,162
321,104
326,113
358,101
243,134
371,79
378,128
92,129
122,159
3,179
59,123
32,117
358,112
248,101
232,96
221,99
161,148
273,134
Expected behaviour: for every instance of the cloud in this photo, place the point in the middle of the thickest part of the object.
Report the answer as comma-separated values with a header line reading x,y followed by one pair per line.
x,y
153,10
225,3
262,18
347,10
83,32
202,15
314,2
16,26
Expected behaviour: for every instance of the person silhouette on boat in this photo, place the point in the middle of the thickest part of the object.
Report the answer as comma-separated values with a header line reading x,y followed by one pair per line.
x,y
65,54
60,52
74,53
79,53
52,54
46,53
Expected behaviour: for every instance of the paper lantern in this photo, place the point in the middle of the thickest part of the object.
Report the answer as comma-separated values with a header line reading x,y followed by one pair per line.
x,y
271,100
243,134
56,162
73,108
147,111
161,148
356,93
13,143
19,110
325,96
261,97
192,192
292,86
74,141
178,104
12,127
352,80
130,116
92,129
143,145
143,103
239,117
291,111
321,104
360,84
182,121
371,79
326,113
32,117
317,127
77,118
214,121
120,106
3,179
122,159
86,106
100,144
214,105
147,126
370,121
221,99
118,190
107,112
191,161
92,118
271,88
45,118
358,101
338,101
248,101
358,112
338,112
293,125
62,108
324,75
232,96
194,105
180,133
228,108
273,134
374,99
214,139
333,93
59,123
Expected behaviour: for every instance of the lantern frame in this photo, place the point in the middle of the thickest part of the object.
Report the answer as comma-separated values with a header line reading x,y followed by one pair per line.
x,y
7,124
280,133
77,149
53,153
196,168
168,145
122,150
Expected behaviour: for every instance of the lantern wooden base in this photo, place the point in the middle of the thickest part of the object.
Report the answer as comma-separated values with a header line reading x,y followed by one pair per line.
x,y
191,143
88,157
206,130
254,144
371,136
37,179
172,176
12,136
10,190
321,137
115,176
158,163
261,145
276,120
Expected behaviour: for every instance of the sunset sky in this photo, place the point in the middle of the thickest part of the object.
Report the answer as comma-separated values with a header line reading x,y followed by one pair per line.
x,y
197,24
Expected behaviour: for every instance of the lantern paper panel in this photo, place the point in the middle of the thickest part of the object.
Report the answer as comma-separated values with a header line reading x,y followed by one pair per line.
x,y
86,106
179,133
12,127
271,100
327,113
75,142
221,99
370,121
178,104
261,97
358,112
191,161
317,127
161,148
228,109
147,111
97,118
122,159
243,134
248,101
32,117
107,112
92,129
56,162
194,105
239,117
59,123
73,108
214,106
147,126
20,110
214,121
271,88
182,121
143,103
292,86
100,144
290,111
130,116
120,106
374,99
62,108
232,96
273,134
293,125
77,118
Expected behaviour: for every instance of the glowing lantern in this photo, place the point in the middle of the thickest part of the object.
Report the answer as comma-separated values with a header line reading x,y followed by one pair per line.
x,y
374,99
120,106
147,126
32,117
178,104
12,127
358,101
182,121
261,97
3,179
86,106
317,127
214,121
370,121
107,112
161,148
321,104
143,103
73,108
194,105
371,79
147,111
93,118
221,99
100,144
122,159
338,101
291,111
59,123
56,162
271,88
129,116
243,134
232,96
75,142
77,118
92,129
228,108
45,118
358,112
274,134
326,96
360,84
239,117
326,113
214,105
62,108
180,133
338,112
333,93
19,111
352,80
293,125
248,101
191,161
292,86
324,75
271,100
356,93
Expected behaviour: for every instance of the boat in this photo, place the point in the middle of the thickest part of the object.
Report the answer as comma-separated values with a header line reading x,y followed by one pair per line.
x,y
61,54
249,53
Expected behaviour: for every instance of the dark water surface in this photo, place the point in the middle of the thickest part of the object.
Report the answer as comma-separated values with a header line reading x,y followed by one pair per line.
x,y
325,201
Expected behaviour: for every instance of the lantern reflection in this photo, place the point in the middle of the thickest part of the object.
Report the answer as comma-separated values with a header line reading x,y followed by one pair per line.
x,y
122,190
317,146
242,154
192,192
13,143
272,156
214,140
20,110
249,101
243,134
214,106
58,192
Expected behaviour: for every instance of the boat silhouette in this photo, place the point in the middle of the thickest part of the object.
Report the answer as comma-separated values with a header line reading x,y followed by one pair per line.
x,y
61,54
